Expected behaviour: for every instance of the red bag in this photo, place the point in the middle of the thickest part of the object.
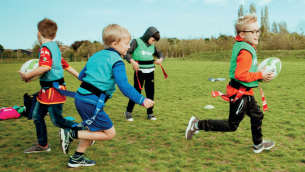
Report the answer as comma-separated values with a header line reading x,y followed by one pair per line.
x,y
8,113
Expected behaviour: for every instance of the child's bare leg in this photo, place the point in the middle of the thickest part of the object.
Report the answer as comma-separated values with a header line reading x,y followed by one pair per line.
x,y
97,135
83,145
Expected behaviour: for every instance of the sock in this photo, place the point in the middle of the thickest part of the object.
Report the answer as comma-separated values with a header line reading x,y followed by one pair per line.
x,y
43,145
77,155
196,126
74,134
257,146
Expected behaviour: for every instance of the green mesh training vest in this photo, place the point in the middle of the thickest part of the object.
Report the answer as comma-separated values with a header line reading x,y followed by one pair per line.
x,y
238,46
143,53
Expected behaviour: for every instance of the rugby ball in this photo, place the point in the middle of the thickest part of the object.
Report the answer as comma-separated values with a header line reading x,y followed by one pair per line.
x,y
273,64
29,66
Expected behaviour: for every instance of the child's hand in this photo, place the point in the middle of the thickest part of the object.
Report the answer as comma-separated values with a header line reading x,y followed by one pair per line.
x,y
24,77
159,61
148,103
135,66
267,76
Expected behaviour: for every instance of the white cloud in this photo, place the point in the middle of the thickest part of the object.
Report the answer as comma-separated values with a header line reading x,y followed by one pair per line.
x,y
264,2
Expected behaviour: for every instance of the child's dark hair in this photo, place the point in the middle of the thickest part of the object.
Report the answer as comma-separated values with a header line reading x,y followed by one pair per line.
x,y
156,36
47,28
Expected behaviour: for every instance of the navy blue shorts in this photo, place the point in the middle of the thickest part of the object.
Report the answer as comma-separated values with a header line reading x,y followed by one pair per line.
x,y
86,111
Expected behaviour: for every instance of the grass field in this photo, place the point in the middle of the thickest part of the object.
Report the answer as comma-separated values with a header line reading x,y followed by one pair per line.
x,y
145,145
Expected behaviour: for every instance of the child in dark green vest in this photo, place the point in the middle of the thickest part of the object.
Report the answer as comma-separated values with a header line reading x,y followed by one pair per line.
x,y
140,55
244,77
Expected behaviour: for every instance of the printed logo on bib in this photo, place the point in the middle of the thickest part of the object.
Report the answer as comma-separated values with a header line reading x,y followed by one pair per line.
x,y
254,62
146,53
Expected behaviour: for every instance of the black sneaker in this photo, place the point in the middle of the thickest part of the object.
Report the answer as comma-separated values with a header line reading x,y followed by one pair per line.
x,y
65,139
128,116
81,161
151,117
266,144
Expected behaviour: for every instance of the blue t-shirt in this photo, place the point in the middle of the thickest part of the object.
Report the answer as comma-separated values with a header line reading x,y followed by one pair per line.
x,y
117,75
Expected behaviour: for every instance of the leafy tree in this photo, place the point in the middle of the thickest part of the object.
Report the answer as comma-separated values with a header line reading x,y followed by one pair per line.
x,y
274,28
301,27
265,26
77,44
98,46
241,10
173,41
68,54
1,48
86,49
252,8
283,28
7,53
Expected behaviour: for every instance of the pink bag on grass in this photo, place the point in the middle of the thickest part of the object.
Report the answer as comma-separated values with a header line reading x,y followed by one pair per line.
x,y
8,113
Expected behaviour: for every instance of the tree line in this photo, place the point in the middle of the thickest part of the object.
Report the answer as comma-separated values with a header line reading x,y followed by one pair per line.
x,y
274,37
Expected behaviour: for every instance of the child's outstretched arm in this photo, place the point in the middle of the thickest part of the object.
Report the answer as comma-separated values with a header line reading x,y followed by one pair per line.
x,y
120,77
68,68
26,76
72,71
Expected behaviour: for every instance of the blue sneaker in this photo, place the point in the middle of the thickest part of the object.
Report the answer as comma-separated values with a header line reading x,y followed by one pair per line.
x,y
81,161
65,139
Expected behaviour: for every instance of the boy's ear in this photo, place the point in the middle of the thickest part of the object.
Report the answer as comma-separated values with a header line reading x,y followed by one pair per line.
x,y
242,34
113,44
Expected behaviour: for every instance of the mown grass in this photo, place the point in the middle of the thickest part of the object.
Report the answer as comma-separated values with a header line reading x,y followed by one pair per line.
x,y
160,145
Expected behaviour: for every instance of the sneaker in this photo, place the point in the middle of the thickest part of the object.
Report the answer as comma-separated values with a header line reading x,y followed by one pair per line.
x,y
38,148
266,144
151,117
81,161
65,139
128,116
190,130
36,144
92,143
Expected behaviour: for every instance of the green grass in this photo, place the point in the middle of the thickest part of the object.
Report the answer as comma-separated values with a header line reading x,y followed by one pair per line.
x,y
160,145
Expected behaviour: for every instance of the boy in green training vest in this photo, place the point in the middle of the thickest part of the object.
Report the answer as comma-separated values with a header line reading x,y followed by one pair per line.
x,y
244,77
140,55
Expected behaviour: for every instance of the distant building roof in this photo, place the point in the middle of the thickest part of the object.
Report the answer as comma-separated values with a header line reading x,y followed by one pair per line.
x,y
24,51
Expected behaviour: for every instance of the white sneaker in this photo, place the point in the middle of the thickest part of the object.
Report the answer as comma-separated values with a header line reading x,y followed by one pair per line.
x,y
266,144
128,116
151,117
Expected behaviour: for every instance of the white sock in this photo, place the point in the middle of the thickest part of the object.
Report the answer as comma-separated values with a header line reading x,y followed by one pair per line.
x,y
196,125
257,146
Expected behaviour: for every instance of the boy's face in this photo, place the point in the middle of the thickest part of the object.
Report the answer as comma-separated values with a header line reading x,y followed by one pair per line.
x,y
39,37
251,33
151,41
122,46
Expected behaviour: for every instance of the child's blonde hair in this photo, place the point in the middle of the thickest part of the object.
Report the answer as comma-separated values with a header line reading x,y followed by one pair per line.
x,y
242,20
114,33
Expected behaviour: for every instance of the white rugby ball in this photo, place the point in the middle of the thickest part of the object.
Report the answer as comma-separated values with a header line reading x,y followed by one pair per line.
x,y
273,64
29,66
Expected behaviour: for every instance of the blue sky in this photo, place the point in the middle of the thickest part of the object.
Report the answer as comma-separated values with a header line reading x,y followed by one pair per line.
x,y
85,19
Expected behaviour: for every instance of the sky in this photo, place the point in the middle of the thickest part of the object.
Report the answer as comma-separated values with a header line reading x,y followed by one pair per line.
x,y
85,19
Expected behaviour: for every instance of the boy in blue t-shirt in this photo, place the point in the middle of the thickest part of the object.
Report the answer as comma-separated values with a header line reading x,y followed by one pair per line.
x,y
103,70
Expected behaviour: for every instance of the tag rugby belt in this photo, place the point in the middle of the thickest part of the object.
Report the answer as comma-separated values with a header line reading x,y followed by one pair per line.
x,y
241,91
100,103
